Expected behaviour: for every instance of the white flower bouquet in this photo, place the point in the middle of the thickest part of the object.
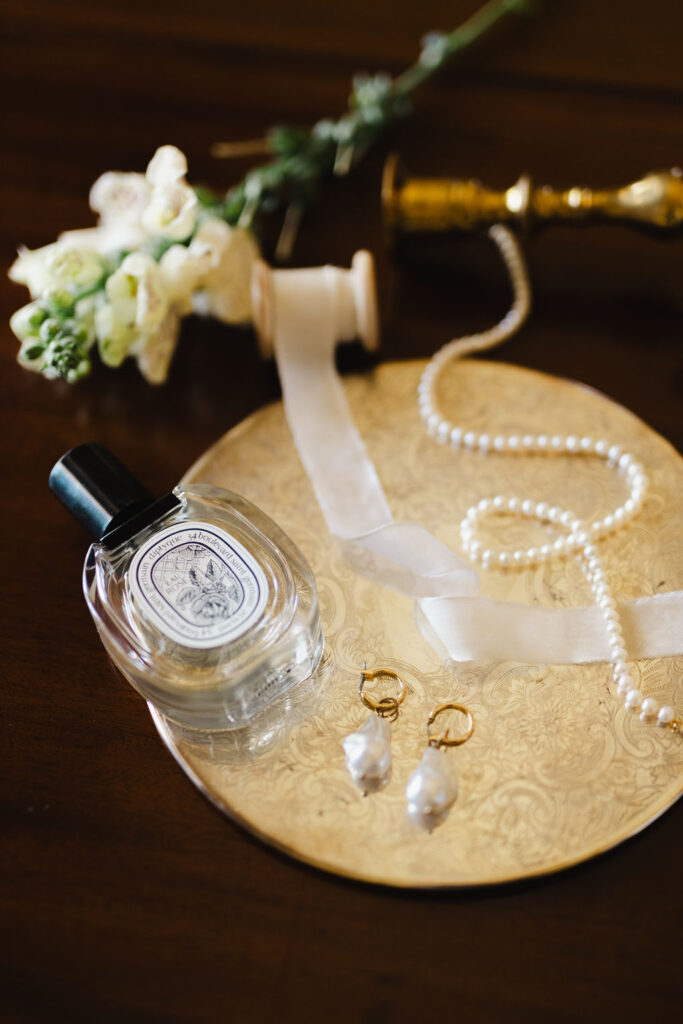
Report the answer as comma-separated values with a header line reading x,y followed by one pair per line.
x,y
162,249
124,285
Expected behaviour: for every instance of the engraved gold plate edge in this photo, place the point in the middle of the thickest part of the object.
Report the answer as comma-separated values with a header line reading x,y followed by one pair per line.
x,y
215,798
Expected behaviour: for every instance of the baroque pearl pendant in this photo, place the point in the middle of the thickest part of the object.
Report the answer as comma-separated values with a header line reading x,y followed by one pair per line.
x,y
368,754
432,790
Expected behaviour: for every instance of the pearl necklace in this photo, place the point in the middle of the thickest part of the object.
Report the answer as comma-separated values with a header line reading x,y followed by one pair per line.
x,y
580,536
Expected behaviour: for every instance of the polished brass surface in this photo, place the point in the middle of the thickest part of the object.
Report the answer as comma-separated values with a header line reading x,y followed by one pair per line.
x,y
443,204
446,740
387,707
557,770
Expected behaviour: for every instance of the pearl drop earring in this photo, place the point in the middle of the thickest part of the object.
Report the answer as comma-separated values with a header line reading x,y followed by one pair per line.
x,y
433,787
368,751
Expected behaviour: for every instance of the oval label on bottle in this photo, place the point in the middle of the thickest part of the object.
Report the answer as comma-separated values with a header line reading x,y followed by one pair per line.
x,y
198,585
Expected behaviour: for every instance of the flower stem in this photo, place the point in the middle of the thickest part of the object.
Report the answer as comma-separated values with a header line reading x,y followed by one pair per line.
x,y
304,158
481,22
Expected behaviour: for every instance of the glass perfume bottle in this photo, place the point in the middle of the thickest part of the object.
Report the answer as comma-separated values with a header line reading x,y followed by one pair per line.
x,y
203,603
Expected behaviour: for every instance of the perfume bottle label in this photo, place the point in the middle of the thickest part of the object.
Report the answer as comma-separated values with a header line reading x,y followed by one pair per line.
x,y
198,584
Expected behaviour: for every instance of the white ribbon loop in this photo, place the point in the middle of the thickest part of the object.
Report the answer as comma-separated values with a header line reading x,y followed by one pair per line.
x,y
405,556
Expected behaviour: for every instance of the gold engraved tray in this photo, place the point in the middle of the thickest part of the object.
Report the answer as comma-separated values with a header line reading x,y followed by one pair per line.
x,y
557,770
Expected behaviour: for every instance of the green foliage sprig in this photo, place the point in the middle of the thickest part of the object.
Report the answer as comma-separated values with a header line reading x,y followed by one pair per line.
x,y
304,158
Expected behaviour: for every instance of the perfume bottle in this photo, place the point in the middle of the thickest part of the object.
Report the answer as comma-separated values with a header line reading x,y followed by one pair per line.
x,y
202,601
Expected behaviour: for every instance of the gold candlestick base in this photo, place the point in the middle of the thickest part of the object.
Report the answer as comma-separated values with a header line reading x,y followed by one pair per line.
x,y
445,204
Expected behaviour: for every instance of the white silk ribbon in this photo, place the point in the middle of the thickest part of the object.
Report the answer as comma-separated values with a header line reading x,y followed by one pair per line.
x,y
311,313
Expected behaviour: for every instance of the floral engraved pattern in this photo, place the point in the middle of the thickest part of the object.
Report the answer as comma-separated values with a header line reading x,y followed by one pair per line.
x,y
200,586
557,770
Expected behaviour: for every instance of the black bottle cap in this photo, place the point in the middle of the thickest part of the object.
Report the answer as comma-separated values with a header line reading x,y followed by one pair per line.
x,y
97,489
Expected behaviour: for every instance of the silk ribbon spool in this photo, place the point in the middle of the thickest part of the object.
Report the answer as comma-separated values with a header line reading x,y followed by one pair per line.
x,y
300,315
351,294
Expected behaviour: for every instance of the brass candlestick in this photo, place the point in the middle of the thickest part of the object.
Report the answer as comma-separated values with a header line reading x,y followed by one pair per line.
x,y
444,204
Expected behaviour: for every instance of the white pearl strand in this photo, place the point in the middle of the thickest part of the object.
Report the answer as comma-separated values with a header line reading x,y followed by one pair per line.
x,y
580,536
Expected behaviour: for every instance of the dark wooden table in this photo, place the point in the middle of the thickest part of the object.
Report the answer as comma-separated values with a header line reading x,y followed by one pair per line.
x,y
125,897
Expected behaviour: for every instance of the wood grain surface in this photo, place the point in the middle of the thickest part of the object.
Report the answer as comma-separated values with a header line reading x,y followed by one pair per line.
x,y
124,896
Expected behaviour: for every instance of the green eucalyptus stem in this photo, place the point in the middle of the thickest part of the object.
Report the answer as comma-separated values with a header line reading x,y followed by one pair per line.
x,y
481,22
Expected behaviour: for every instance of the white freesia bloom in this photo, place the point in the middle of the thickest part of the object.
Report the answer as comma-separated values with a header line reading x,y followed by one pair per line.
x,y
70,265
155,350
115,334
133,207
136,305
24,322
142,274
136,311
168,164
30,269
183,268
30,358
140,317
119,196
172,208
120,200
58,265
226,291
171,212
